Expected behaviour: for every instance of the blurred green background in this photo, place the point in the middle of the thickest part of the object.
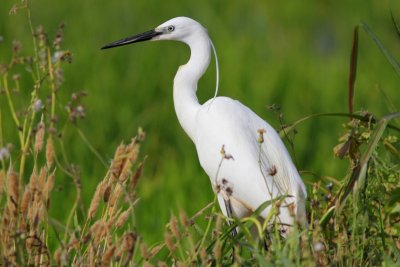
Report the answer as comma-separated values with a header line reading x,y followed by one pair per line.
x,y
292,53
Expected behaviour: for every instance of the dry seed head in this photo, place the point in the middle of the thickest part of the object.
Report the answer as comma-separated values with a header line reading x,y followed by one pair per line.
x,y
12,190
115,197
203,256
98,231
26,200
73,242
2,181
169,242
91,257
39,137
173,224
107,193
217,250
42,179
117,163
161,264
123,217
22,225
49,152
106,260
144,251
33,180
132,150
137,175
118,255
6,217
36,216
128,242
261,133
131,154
184,219
36,209
126,171
94,204
57,256
48,188
111,220
49,184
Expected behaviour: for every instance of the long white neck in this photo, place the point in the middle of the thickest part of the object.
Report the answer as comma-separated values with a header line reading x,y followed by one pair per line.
x,y
186,79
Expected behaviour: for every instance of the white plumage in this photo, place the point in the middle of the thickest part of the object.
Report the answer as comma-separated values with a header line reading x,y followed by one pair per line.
x,y
252,172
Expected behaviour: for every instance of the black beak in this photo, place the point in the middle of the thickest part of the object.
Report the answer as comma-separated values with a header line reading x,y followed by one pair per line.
x,y
133,39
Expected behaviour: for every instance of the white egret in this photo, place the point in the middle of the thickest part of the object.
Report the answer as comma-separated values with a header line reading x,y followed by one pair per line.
x,y
253,171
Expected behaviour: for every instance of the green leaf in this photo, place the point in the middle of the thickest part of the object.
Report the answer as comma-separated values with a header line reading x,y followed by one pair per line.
x,y
327,216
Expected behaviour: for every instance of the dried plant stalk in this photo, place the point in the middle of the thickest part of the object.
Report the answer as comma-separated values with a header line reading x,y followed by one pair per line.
x,y
94,204
47,189
12,191
106,260
49,152
114,198
117,163
123,217
2,181
39,138
25,202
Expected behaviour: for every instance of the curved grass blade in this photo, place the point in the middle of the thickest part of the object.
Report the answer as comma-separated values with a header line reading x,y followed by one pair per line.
x,y
267,203
327,216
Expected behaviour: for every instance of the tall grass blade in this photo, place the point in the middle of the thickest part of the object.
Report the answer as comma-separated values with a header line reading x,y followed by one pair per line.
x,y
393,62
353,68
396,26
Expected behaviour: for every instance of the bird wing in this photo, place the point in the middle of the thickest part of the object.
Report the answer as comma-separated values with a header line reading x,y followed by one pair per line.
x,y
275,161
224,121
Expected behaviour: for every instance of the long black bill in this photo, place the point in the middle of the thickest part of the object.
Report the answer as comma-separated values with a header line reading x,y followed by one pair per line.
x,y
133,39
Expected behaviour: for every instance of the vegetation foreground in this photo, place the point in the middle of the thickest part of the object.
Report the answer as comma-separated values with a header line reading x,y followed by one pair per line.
x,y
352,222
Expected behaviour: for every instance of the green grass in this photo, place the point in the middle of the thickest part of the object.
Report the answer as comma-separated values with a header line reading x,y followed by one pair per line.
x,y
290,54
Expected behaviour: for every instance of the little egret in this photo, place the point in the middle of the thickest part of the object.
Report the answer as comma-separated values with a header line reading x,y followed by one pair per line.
x,y
243,155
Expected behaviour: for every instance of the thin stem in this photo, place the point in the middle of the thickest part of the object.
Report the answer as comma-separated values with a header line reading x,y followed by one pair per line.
x,y
12,109
1,130
91,147
207,228
33,40
53,87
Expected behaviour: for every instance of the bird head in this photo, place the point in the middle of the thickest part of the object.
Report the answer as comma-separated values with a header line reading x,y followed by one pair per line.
x,y
179,28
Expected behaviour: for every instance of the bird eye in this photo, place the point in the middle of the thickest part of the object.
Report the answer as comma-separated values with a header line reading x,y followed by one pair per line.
x,y
171,28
